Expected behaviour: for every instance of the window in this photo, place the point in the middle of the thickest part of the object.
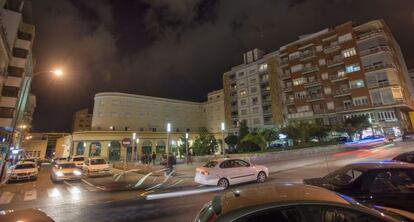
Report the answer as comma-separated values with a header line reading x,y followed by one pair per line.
x,y
329,213
301,95
319,48
294,55
322,62
382,97
344,38
243,92
243,102
253,80
325,76
241,84
253,90
303,108
327,90
360,101
353,68
330,105
348,52
299,81
240,74
255,100
252,71
10,91
243,112
356,84
256,121
343,176
387,116
262,67
296,68
154,129
255,109
393,181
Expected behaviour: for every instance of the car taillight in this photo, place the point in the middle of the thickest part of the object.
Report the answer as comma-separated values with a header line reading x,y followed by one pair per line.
x,y
205,173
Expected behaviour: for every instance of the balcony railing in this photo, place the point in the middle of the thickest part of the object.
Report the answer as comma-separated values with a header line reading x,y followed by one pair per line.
x,y
335,62
312,83
310,69
315,97
300,115
331,48
381,48
378,66
341,92
337,77
307,55
343,108
369,34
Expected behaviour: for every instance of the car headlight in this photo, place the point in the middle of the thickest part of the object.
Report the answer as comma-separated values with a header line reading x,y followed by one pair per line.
x,y
59,174
77,172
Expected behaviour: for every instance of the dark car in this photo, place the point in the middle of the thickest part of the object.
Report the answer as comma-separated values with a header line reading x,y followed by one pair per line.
x,y
292,203
384,183
408,136
26,215
405,157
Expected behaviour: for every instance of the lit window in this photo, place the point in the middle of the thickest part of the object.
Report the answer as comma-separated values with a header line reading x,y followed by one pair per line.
x,y
330,105
299,81
243,92
324,76
349,52
353,68
262,67
359,101
356,84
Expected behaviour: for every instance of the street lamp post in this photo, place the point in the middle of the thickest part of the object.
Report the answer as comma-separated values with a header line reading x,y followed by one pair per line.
x,y
168,143
223,127
133,150
186,148
25,90
136,155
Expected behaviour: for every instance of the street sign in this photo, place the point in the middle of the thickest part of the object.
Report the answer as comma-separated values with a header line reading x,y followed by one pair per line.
x,y
126,142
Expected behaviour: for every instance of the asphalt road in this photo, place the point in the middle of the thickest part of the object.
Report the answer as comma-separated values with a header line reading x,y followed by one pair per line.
x,y
123,198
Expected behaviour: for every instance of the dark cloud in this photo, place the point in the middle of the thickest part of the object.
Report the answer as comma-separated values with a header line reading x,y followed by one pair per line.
x,y
177,49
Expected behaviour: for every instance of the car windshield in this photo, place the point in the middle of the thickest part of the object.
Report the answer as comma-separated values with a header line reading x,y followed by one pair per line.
x,y
343,176
66,165
211,164
24,166
78,159
97,161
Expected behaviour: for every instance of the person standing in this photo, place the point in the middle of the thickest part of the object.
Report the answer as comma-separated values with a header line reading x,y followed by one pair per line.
x,y
154,156
189,160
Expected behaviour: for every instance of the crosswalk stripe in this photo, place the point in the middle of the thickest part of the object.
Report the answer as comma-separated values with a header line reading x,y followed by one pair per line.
x,y
30,195
73,189
53,192
6,197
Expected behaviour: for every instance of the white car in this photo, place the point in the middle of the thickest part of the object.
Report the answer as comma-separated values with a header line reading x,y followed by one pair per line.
x,y
62,171
96,166
229,171
24,171
78,160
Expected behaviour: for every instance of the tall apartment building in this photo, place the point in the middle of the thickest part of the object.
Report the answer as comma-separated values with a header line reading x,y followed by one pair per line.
x,y
344,71
17,33
82,120
252,91
411,72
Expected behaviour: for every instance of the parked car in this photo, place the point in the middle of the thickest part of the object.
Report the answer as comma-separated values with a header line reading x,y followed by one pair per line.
x,y
24,171
56,159
65,171
405,157
34,160
26,215
407,136
229,171
96,166
384,183
78,160
291,203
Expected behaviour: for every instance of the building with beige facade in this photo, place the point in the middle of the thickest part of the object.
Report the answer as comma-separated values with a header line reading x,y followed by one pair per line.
x,y
35,146
82,120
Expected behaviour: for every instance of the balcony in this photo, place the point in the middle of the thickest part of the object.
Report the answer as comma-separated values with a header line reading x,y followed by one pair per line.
x,y
315,97
267,112
311,83
378,66
18,62
287,88
310,69
6,122
369,34
319,111
22,44
332,48
343,108
335,62
285,75
338,77
307,55
13,81
300,115
342,92
381,48
9,102
290,101
284,62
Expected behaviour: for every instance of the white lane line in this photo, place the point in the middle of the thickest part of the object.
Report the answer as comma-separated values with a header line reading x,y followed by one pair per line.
x,y
53,192
177,182
73,190
30,195
6,197
91,185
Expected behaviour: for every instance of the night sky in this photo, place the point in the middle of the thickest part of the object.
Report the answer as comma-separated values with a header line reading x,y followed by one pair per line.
x,y
175,48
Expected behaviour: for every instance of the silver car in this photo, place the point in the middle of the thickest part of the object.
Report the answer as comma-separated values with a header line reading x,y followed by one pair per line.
x,y
65,171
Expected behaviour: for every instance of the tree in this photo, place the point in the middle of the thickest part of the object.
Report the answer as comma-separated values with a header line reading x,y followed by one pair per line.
x,y
231,140
205,143
182,145
318,131
254,138
298,132
269,135
243,130
356,124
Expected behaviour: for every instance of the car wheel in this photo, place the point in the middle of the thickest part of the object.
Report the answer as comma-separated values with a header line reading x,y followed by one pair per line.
x,y
223,182
261,177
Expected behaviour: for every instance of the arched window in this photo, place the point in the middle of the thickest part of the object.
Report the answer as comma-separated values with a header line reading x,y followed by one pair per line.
x,y
95,149
80,148
160,149
147,147
114,151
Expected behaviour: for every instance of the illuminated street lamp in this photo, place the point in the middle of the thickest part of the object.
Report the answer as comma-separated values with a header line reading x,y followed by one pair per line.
x,y
168,142
223,127
134,151
186,148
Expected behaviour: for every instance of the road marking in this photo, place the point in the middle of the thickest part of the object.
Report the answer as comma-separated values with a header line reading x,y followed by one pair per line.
x,y
30,195
54,192
91,185
145,193
177,182
6,197
73,190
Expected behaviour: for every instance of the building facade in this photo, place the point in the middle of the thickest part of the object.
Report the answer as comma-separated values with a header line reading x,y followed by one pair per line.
x,y
344,71
213,111
82,120
252,92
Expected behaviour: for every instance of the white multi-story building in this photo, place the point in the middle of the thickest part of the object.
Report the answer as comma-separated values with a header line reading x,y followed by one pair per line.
x,y
127,112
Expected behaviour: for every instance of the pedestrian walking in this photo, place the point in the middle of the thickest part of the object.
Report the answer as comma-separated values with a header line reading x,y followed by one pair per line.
x,y
154,156
189,159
